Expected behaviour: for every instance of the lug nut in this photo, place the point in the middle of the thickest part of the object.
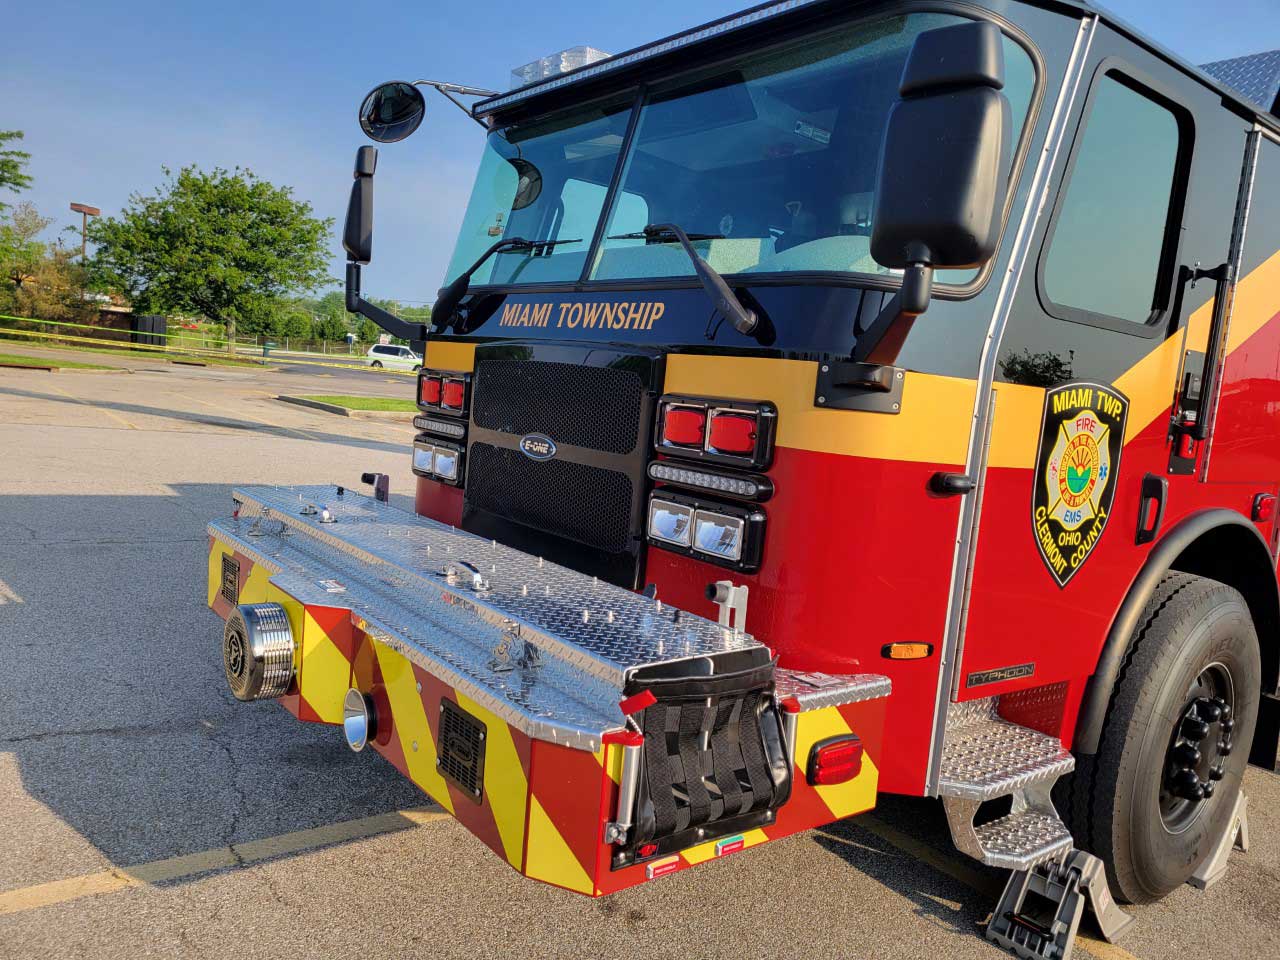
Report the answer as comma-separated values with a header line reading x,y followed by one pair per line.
x,y
1186,755
1187,785
1194,730
1210,711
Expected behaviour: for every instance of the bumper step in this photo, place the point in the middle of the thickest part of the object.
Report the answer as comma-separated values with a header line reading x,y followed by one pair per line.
x,y
1022,840
986,757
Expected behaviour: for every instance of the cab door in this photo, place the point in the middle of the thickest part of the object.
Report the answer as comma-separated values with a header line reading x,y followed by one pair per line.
x,y
1081,463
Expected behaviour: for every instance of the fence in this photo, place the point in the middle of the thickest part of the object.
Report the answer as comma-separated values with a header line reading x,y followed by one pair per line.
x,y
186,342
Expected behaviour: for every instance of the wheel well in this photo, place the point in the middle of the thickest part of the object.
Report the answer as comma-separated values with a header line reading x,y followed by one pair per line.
x,y
1236,556
1219,544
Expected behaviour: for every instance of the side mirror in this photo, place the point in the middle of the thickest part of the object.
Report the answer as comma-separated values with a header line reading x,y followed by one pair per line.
x,y
392,111
357,238
943,170
357,234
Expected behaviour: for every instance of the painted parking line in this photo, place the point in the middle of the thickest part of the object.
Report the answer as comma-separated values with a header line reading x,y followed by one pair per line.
x,y
969,876
206,861
87,403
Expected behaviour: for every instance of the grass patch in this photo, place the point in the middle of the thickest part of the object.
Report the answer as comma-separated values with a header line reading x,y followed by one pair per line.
x,y
15,360
366,403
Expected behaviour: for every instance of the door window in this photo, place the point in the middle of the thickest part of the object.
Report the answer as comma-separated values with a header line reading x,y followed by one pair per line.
x,y
1109,255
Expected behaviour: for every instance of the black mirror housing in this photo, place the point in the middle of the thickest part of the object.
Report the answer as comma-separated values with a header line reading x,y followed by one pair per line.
x,y
357,233
946,153
392,111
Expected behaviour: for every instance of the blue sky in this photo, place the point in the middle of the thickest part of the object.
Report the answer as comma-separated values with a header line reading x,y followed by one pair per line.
x,y
108,93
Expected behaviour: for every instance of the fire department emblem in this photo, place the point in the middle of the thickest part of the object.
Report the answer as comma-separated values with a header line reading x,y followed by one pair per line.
x,y
1081,437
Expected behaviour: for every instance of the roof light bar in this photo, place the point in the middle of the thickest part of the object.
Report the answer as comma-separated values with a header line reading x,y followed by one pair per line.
x,y
748,17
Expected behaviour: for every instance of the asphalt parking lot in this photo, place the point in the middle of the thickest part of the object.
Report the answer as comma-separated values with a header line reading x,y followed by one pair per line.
x,y
146,813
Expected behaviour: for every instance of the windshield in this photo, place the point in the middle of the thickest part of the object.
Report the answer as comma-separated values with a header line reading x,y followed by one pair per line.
x,y
770,161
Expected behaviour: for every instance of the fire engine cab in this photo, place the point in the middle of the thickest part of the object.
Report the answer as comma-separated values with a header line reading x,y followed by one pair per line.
x,y
838,398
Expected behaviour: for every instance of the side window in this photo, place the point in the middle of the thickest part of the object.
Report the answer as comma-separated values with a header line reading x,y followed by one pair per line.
x,y
1108,257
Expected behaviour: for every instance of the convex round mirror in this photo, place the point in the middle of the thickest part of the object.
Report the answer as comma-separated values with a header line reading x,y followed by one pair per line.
x,y
392,111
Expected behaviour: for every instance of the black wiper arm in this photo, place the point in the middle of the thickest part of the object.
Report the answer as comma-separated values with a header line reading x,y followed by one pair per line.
x,y
658,233
449,297
744,321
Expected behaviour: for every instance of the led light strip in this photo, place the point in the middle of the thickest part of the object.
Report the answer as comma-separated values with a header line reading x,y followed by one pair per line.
x,y
729,24
752,488
449,428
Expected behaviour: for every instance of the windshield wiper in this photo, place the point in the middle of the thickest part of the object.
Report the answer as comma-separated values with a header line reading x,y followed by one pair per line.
x,y
449,297
744,321
658,233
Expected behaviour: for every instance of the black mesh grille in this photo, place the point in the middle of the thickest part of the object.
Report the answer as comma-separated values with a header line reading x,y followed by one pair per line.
x,y
594,407
460,755
588,504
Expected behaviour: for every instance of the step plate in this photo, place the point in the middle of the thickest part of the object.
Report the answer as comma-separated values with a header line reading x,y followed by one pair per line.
x,y
1020,841
989,757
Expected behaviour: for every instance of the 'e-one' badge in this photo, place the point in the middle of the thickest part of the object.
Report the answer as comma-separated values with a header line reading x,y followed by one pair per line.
x,y
1081,438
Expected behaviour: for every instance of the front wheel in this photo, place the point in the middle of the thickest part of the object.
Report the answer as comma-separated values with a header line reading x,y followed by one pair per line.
x,y
1160,791
417,367
377,364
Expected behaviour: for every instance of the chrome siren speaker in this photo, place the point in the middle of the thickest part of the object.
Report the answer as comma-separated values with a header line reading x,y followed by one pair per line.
x,y
257,651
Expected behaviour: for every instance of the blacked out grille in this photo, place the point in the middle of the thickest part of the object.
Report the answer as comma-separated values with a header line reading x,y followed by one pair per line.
x,y
594,407
460,751
585,503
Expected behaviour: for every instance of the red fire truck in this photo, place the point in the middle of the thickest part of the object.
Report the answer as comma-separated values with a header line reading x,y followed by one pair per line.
x,y
834,399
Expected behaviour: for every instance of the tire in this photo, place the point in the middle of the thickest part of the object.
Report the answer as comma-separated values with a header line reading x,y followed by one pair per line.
x,y
377,364
417,367
1195,635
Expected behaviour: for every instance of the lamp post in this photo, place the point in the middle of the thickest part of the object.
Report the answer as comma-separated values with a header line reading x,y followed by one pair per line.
x,y
85,212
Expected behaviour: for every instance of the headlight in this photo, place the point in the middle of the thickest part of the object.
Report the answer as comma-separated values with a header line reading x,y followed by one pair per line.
x,y
446,466
423,459
718,535
670,522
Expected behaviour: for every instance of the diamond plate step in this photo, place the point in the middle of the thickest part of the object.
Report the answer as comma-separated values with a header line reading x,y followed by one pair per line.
x,y
985,757
1023,840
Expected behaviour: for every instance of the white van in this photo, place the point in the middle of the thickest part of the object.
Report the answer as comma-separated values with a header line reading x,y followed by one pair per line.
x,y
394,357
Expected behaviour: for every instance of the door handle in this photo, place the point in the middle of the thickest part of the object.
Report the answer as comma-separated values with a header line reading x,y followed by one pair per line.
x,y
1155,491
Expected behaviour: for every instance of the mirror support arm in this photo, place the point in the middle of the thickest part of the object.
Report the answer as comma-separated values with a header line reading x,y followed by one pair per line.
x,y
882,340
387,321
447,90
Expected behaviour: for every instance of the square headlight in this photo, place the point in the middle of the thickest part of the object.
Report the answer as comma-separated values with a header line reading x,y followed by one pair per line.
x,y
718,535
423,458
446,466
670,522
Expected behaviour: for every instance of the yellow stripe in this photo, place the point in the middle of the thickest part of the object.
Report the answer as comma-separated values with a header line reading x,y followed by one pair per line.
x,y
504,781
933,426
449,355
707,851
842,799
326,674
411,724
1150,383
175,868
550,858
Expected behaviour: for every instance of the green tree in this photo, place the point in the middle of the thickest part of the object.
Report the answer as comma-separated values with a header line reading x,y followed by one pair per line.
x,y
20,252
12,176
221,243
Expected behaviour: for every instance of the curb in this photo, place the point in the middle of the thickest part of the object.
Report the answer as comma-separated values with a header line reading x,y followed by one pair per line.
x,y
41,368
404,415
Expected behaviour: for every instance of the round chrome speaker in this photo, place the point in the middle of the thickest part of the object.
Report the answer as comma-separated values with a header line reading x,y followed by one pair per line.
x,y
359,719
257,651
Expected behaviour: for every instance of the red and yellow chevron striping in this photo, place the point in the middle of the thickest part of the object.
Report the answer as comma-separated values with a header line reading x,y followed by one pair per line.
x,y
543,806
